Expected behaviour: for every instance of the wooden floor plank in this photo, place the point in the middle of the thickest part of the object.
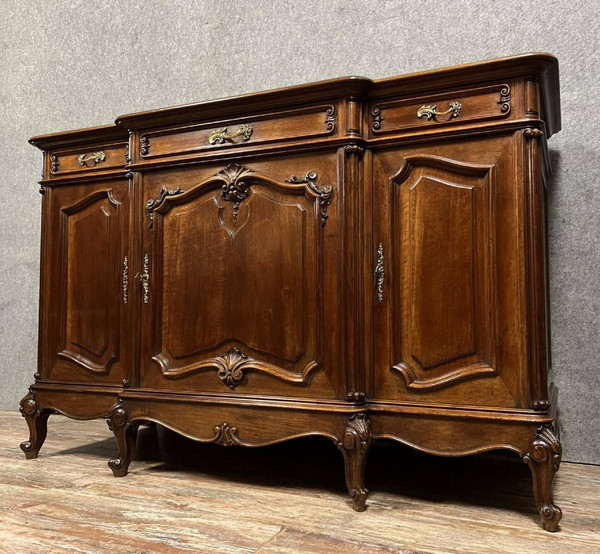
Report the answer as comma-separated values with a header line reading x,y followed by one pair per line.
x,y
183,496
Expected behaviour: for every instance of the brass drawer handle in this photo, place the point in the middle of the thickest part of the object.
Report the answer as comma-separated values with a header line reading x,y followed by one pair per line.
x,y
379,273
431,111
96,157
219,136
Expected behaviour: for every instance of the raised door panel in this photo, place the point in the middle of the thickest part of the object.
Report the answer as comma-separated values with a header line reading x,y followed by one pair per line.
x,y
443,292
235,295
84,291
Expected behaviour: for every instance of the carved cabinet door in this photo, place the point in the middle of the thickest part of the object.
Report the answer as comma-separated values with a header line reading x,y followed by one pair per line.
x,y
233,286
448,320
85,314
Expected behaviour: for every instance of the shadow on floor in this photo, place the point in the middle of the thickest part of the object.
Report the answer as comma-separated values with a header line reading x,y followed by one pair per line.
x,y
493,479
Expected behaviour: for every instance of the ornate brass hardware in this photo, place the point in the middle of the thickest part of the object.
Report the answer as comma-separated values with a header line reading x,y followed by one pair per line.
x,y
219,136
431,111
379,273
144,278
96,157
125,279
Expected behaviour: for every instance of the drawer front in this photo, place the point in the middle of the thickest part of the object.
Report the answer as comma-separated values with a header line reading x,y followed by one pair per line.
x,y
312,122
449,108
82,160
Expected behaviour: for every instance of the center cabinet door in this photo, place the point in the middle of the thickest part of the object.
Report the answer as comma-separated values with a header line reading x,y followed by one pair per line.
x,y
233,289
449,321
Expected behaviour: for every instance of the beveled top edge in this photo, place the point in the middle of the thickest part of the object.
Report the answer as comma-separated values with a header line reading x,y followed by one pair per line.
x,y
100,133
246,103
540,65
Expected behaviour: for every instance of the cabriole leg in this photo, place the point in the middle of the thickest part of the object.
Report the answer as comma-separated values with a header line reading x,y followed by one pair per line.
x,y
543,460
355,446
37,422
126,434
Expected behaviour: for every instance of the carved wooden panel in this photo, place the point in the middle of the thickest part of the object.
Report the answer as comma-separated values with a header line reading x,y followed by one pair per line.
x,y
86,282
443,243
235,279
436,219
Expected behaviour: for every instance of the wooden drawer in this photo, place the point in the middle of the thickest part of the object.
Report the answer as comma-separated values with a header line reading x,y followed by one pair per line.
x,y
81,159
311,122
449,108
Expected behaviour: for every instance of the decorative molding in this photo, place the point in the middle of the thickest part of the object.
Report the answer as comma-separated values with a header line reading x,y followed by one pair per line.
x,y
42,189
377,118
144,145
226,435
231,367
323,194
540,405
128,159
354,149
235,189
37,376
54,163
330,119
355,396
543,460
355,444
504,99
533,133
153,203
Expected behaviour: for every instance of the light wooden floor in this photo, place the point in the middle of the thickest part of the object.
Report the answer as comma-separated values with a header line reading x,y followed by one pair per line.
x,y
183,496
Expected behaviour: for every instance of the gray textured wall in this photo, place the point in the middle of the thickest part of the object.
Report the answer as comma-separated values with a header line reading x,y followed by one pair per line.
x,y
78,63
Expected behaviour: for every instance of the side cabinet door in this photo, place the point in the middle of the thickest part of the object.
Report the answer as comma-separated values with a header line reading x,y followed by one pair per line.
x,y
84,331
235,292
446,308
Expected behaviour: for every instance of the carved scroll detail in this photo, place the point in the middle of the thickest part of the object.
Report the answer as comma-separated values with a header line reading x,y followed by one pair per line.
x,y
323,194
377,118
36,421
504,99
144,145
54,163
355,444
354,149
126,434
543,460
153,203
330,119
533,133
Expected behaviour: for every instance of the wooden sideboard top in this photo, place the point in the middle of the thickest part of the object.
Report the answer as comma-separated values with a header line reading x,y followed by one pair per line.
x,y
542,66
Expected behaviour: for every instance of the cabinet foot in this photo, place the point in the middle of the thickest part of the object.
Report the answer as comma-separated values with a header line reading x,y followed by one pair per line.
x,y
355,445
37,421
126,434
543,460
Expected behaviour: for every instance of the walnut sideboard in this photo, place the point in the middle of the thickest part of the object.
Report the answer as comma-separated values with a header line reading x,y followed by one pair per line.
x,y
357,259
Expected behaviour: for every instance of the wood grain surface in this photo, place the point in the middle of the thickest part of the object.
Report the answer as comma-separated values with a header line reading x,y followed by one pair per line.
x,y
183,496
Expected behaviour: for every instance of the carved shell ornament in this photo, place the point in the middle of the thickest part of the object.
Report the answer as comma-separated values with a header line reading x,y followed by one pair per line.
x,y
234,188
